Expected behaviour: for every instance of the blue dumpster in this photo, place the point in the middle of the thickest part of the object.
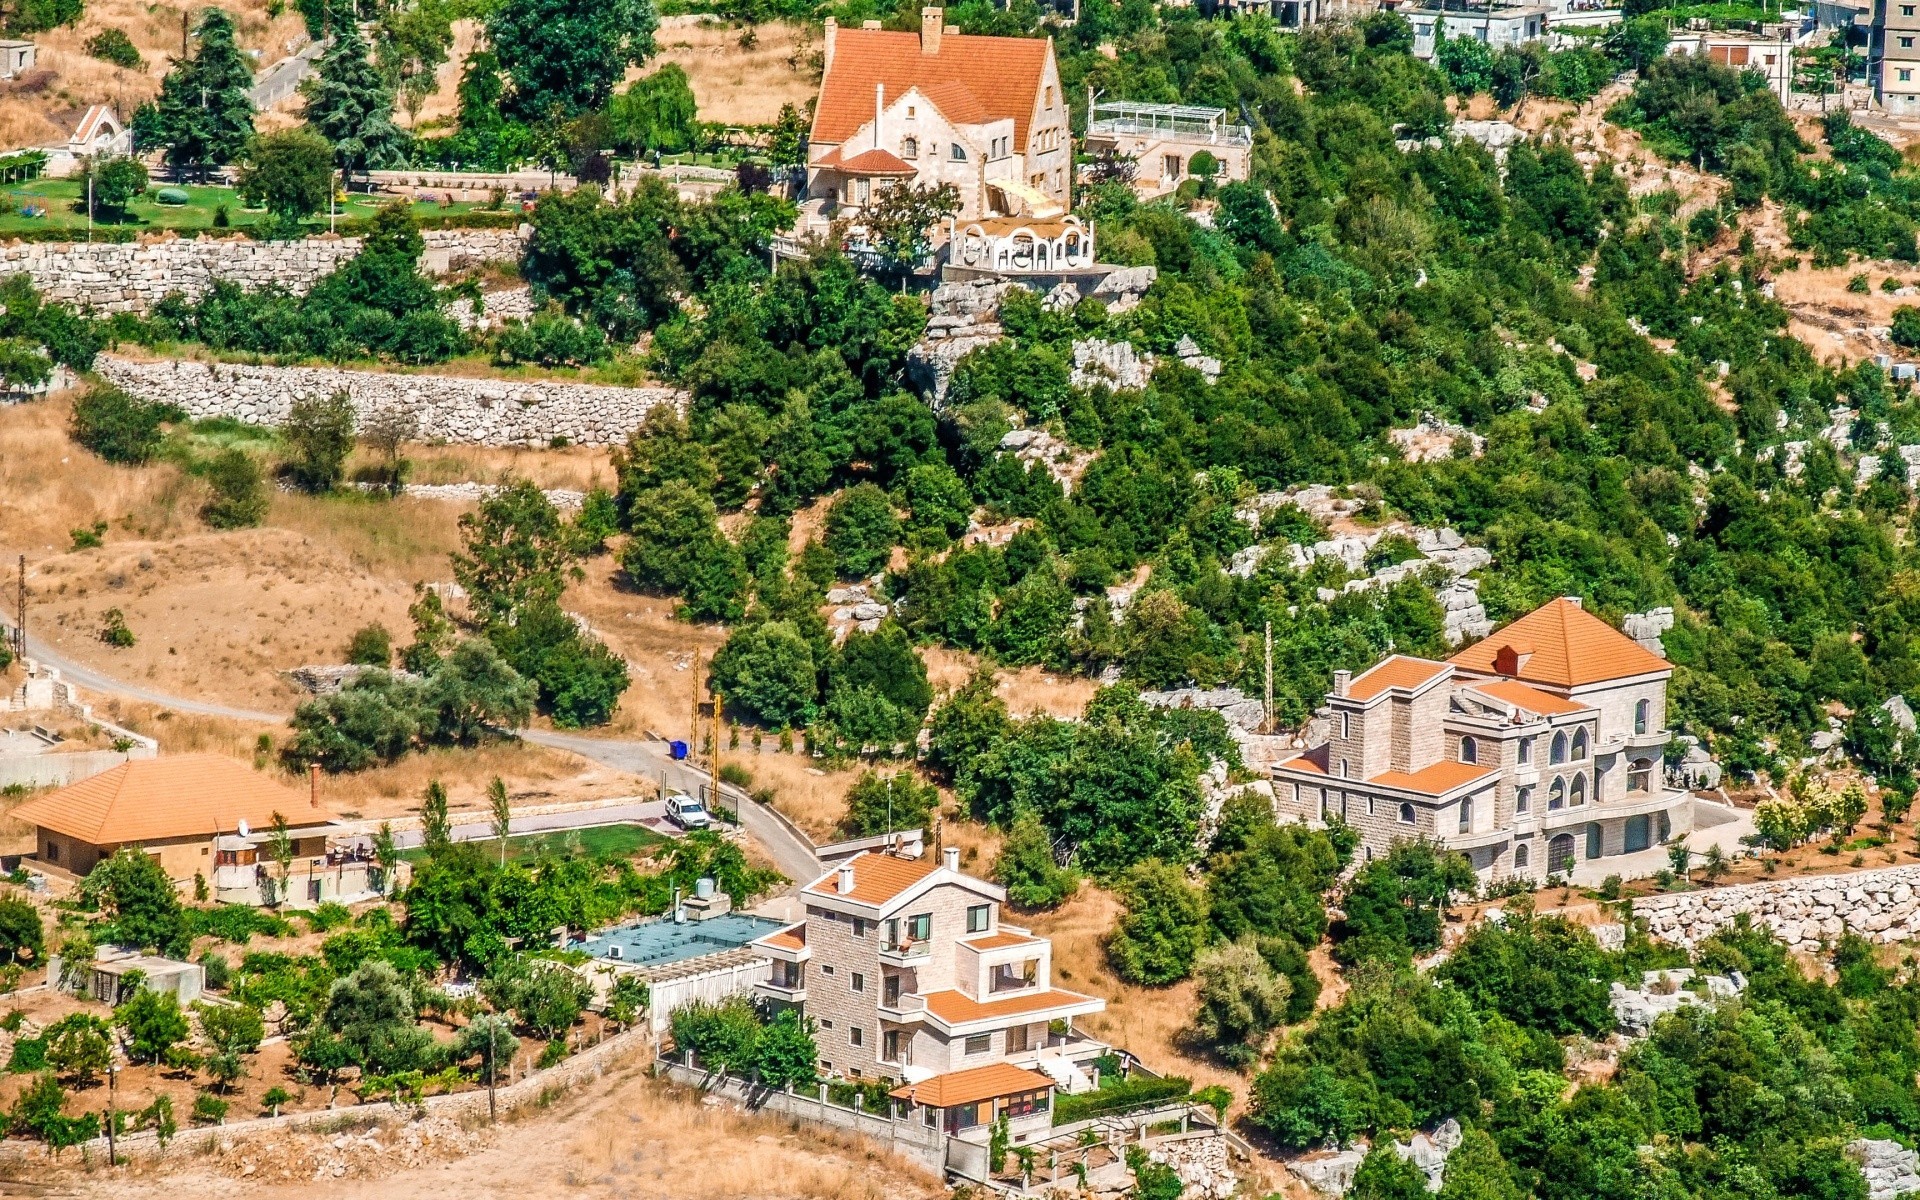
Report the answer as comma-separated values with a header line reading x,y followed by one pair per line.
x,y
677,749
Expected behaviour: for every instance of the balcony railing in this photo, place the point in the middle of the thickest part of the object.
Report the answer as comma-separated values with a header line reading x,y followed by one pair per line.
x,y
907,953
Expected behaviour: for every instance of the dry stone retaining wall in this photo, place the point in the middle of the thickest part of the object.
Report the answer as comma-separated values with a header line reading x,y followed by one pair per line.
x,y
1804,912
484,412
112,277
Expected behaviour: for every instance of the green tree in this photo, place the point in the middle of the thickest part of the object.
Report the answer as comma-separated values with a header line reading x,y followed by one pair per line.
x,y
563,57
1241,999
411,45
38,1112
79,1045
1539,972
879,803
350,104
21,935
116,181
516,551
788,148
239,497
1475,1171
368,1022
885,661
436,829
371,646
1396,904
546,998
861,530
116,426
655,113
767,673
232,1028
1027,869
134,890
203,116
785,1054
901,219
318,433
965,725
473,694
1164,928
288,173
488,1038
500,814
154,1023
579,680
1383,1174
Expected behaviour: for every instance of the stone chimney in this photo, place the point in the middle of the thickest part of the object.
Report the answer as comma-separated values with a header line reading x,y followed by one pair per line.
x,y
950,858
1340,681
826,54
930,22
1511,657
843,879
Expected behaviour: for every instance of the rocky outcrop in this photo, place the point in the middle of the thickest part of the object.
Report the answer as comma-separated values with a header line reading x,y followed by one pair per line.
x,y
1329,1173
496,309
325,681
1428,1151
1202,1164
486,412
964,317
1646,628
1236,706
1434,440
1891,1169
1805,913
1118,365
1663,992
113,277
855,607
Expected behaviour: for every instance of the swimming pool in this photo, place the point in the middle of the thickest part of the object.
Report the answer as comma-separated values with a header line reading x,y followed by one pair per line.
x,y
653,943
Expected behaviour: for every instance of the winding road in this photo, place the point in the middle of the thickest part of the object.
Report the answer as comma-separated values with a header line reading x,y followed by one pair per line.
x,y
790,850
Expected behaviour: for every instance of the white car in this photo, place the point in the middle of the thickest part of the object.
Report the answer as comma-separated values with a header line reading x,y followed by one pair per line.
x,y
687,812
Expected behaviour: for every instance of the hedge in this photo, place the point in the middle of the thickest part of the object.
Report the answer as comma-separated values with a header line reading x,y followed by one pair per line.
x,y
1125,1096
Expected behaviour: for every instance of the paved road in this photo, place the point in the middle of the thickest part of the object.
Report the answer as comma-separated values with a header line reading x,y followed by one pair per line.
x,y
283,77
792,855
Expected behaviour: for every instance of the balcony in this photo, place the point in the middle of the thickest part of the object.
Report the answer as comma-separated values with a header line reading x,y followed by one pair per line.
x,y
908,953
903,1010
1009,978
795,993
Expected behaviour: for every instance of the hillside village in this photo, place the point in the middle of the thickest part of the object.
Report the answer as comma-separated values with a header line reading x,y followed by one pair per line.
x,y
836,600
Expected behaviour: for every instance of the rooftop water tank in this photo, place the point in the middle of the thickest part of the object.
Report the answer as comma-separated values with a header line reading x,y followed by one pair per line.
x,y
703,887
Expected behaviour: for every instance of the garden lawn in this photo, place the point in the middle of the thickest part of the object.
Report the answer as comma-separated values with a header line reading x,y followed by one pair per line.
x,y
64,205
600,842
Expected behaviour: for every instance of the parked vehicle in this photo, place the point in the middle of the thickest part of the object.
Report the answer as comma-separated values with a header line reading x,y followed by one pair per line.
x,y
687,811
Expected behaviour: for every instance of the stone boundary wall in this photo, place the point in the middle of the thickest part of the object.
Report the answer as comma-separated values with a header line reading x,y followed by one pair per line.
x,y
114,277
483,412
1805,912
537,1090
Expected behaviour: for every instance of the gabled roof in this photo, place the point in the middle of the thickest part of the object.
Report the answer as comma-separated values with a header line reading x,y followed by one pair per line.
x,y
867,162
983,78
1437,780
793,937
1532,699
1401,671
877,878
972,1085
1561,644
181,795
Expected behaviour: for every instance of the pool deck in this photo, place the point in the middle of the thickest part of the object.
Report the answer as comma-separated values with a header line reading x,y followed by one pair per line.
x,y
662,942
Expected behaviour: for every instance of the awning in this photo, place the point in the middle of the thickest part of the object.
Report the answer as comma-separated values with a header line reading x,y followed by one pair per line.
x,y
1037,202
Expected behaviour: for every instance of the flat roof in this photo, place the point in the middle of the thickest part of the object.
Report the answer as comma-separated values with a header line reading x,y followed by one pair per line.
x,y
659,942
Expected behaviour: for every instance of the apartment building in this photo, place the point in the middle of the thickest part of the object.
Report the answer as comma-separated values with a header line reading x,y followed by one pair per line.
x,y
1893,55
1535,751
911,977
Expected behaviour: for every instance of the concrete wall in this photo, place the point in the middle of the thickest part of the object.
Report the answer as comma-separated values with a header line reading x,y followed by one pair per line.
x,y
59,770
487,412
132,276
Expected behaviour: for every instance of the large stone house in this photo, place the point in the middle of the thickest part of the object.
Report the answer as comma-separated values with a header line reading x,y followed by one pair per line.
x,y
910,977
985,114
1535,751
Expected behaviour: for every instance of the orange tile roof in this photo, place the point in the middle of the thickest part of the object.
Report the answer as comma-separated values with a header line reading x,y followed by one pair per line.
x,y
958,1008
867,162
972,1085
1436,780
181,795
999,941
982,78
877,878
1570,647
1313,761
1395,671
793,937
1530,698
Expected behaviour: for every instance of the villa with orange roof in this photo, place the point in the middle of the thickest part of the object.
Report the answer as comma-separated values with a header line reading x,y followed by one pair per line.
x,y
1535,751
911,977
986,114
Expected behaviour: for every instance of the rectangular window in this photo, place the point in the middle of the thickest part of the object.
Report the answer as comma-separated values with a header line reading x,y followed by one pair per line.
x,y
890,988
1019,1039
859,982
854,1035
977,915
1906,43
826,968
890,1045
920,927
978,1043
864,190
826,1023
1905,74
859,927
1170,166
1346,724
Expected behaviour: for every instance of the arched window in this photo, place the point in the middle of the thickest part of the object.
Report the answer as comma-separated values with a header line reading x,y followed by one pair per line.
x,y
1642,713
1577,795
1526,751
1579,745
1560,853
1523,798
1466,815
1593,840
1406,814
1640,775
1469,750
1557,795
959,152
1558,754
910,148
1520,856
1343,769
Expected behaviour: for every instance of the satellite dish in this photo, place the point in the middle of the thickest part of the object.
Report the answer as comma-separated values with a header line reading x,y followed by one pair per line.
x,y
243,828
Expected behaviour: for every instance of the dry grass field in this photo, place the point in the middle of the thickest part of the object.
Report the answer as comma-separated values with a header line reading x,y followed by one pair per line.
x,y
742,83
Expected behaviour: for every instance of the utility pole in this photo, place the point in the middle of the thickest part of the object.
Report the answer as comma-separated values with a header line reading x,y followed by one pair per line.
x,y
113,1077
1267,710
693,743
20,629
714,764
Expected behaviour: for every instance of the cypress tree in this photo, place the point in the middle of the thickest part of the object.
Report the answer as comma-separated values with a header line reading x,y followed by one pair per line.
x,y
203,116
351,105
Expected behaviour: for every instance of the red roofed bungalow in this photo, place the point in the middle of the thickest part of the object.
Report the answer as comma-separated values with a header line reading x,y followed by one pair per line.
x,y
985,114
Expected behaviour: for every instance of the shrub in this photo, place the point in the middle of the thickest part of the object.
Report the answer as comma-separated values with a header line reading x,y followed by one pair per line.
x,y
1027,868
209,1109
767,673
883,803
114,46
1906,327
319,435
371,646
1164,927
21,934
118,427
154,1023
37,1113
29,1055
1121,1096
551,339
722,1036
239,497
861,530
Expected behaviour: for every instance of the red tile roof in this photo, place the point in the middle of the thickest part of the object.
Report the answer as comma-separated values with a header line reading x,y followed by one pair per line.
x,y
972,79
1436,780
958,1008
867,162
972,1085
877,878
1532,699
1396,671
180,795
794,937
999,941
1564,646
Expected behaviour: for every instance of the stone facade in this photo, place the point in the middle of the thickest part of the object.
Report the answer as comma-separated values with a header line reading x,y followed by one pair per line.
x,y
485,412
111,277
1806,913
